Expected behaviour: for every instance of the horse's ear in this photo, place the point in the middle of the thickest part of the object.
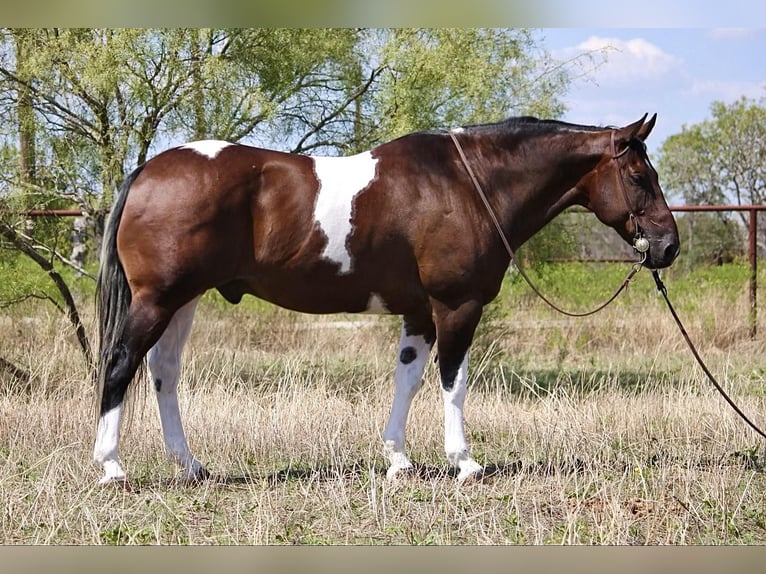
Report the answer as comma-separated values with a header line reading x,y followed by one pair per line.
x,y
632,130
646,129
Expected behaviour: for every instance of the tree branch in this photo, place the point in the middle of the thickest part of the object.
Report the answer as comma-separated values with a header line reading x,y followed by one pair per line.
x,y
347,102
71,308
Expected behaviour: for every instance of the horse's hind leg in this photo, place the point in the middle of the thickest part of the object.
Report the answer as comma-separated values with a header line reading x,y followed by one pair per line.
x,y
414,350
165,367
142,327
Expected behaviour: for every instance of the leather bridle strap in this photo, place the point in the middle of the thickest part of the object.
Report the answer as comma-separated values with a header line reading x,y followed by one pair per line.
x,y
635,268
637,231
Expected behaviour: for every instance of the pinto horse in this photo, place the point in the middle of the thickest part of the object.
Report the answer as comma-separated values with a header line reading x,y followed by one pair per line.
x,y
400,229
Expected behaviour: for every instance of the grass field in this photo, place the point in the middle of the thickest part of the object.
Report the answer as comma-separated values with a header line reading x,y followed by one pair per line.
x,y
593,431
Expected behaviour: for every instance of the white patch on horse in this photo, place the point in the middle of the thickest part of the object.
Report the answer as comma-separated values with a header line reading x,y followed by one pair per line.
x,y
457,130
340,181
208,148
105,450
376,305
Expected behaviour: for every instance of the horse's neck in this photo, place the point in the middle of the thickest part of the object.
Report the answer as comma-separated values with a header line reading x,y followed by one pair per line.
x,y
539,183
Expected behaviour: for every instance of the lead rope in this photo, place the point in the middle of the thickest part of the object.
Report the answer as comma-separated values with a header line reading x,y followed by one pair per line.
x,y
662,289
635,269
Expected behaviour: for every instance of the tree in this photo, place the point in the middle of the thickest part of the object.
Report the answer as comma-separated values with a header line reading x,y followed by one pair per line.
x,y
80,108
103,100
446,77
718,161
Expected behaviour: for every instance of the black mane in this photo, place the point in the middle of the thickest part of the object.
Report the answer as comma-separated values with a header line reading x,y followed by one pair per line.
x,y
530,124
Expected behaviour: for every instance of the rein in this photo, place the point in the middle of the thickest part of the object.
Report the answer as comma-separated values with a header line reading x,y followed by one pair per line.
x,y
635,269
640,244
662,289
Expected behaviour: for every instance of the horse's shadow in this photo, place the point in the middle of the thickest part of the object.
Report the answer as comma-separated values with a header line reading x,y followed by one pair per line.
x,y
424,472
360,471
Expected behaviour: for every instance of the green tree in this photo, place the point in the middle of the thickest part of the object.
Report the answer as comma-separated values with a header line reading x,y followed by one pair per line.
x,y
718,161
447,77
80,108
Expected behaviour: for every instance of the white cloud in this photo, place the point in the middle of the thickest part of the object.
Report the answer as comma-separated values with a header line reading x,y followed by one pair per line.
x,y
623,61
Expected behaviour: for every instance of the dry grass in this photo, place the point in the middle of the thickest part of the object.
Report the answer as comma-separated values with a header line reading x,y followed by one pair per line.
x,y
596,431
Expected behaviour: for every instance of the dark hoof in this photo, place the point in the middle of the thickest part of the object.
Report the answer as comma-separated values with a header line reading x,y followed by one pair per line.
x,y
202,475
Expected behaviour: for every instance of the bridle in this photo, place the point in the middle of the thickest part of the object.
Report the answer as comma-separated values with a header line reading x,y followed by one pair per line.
x,y
640,244
637,240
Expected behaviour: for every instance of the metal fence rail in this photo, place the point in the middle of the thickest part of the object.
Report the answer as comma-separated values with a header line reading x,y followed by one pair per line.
x,y
752,249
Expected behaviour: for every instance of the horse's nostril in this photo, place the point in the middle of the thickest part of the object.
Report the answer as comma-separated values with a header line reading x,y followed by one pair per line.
x,y
671,251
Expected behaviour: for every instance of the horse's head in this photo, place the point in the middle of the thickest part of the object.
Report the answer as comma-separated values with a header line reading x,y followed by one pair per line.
x,y
624,192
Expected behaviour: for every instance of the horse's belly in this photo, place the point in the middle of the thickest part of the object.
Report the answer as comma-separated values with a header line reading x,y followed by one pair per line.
x,y
327,296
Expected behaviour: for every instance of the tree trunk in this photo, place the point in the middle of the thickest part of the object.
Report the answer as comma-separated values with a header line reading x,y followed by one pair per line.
x,y
25,114
198,105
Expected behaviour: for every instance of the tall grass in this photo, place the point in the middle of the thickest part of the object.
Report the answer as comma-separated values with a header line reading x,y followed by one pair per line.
x,y
593,431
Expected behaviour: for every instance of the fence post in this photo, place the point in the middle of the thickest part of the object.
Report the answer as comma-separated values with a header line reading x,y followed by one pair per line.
x,y
753,255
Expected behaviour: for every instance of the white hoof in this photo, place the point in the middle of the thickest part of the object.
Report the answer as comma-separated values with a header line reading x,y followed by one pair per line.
x,y
113,474
470,471
122,483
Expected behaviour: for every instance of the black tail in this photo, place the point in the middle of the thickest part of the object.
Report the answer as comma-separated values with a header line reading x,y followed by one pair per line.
x,y
112,290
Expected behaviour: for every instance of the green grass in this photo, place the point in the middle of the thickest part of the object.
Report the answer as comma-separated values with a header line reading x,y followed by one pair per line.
x,y
594,431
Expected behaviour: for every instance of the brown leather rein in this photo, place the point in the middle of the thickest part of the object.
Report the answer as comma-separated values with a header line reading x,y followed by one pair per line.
x,y
638,236
635,269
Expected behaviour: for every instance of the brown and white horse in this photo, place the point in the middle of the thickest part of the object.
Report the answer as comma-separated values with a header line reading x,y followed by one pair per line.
x,y
399,229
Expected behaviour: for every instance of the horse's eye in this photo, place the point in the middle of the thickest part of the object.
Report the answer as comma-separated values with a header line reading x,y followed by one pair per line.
x,y
637,178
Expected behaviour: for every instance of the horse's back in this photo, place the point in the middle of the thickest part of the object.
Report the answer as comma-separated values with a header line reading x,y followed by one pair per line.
x,y
188,217
315,234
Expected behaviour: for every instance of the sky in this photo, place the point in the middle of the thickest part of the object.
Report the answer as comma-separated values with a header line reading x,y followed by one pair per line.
x,y
676,72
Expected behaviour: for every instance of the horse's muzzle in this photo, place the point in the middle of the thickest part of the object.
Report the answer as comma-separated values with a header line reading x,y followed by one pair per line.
x,y
662,252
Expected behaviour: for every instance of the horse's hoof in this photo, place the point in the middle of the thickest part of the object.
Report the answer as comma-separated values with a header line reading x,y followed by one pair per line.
x,y
201,475
116,482
471,473
397,472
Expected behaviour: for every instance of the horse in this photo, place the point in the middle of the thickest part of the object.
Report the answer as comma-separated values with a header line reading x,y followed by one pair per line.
x,y
400,229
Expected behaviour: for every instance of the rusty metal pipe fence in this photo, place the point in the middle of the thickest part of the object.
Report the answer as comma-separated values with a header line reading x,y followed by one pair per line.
x,y
752,249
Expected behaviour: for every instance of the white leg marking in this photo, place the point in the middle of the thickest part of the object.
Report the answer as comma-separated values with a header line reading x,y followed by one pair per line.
x,y
455,444
411,362
376,305
208,148
164,360
340,180
105,449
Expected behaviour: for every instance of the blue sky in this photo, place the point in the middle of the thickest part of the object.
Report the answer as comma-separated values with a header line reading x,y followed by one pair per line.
x,y
676,72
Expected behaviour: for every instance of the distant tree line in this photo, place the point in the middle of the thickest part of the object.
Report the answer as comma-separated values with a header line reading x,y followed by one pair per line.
x,y
721,160
81,108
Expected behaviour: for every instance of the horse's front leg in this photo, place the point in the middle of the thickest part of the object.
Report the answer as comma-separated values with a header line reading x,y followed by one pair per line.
x,y
414,349
455,328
